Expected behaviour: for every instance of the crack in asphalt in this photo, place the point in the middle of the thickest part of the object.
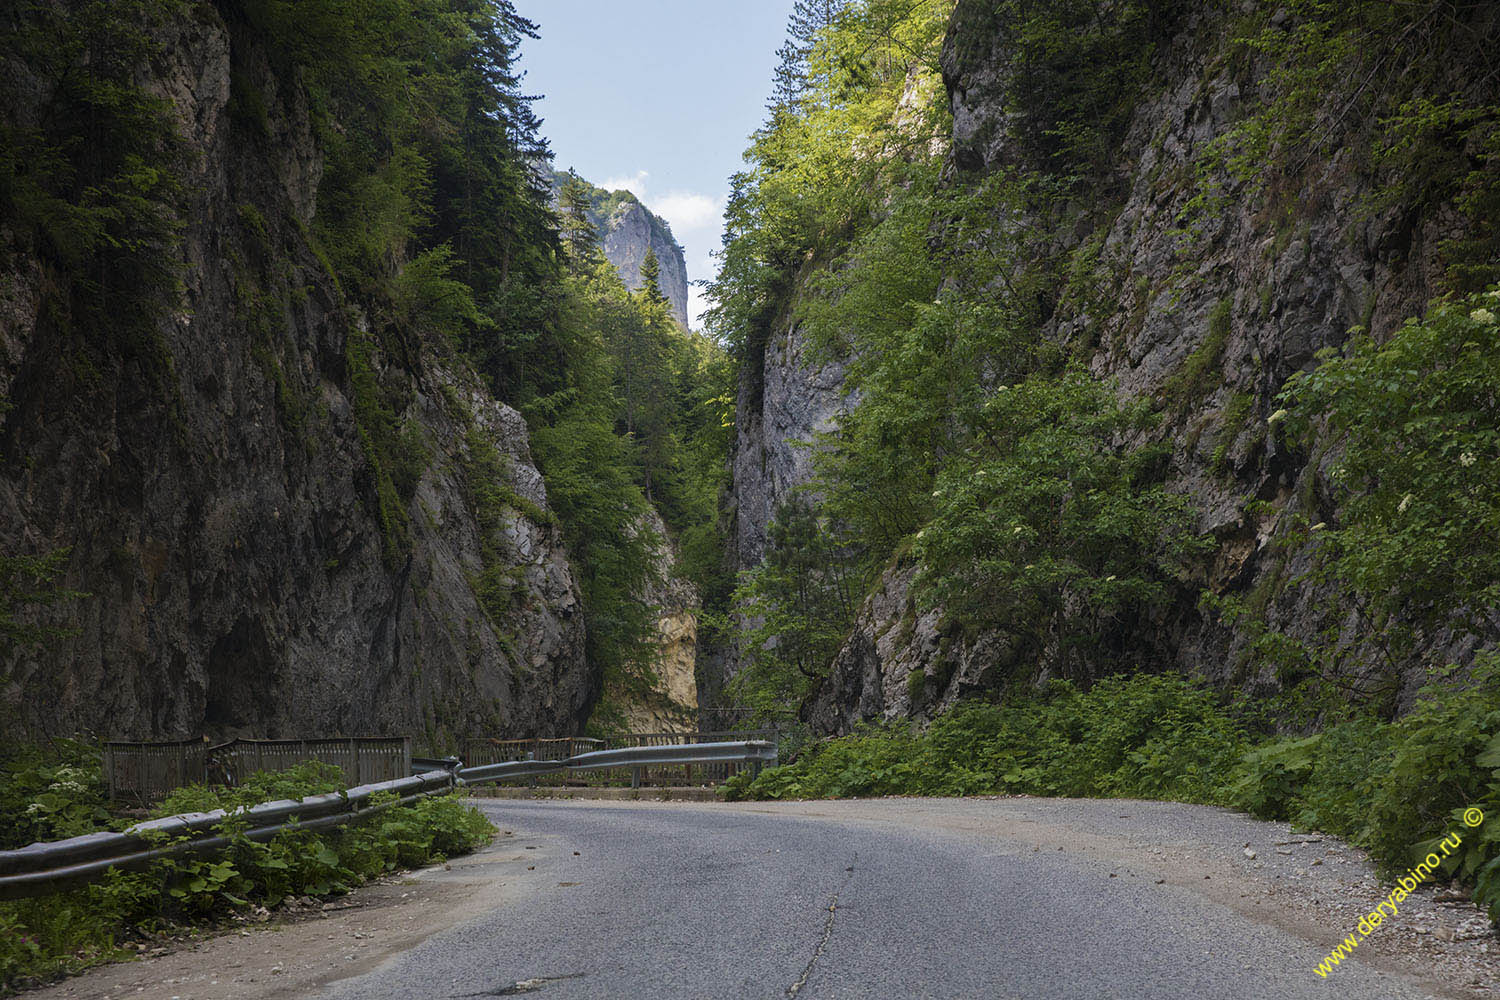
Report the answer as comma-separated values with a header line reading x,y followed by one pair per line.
x,y
833,908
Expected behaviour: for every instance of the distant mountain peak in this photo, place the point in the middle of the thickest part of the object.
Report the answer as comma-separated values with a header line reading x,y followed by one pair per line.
x,y
626,229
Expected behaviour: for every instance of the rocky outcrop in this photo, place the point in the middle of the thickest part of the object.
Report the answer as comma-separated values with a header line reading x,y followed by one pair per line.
x,y
626,233
256,560
1259,293
627,229
786,398
671,705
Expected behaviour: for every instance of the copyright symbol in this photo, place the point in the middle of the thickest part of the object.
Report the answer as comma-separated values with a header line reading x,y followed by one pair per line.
x,y
1473,816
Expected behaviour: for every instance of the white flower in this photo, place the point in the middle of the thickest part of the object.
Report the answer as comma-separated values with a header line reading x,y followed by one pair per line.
x,y
1466,459
1019,529
1405,503
1320,526
33,809
1482,316
1493,293
1276,417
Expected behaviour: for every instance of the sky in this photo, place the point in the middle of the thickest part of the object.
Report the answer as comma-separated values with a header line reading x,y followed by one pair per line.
x,y
658,98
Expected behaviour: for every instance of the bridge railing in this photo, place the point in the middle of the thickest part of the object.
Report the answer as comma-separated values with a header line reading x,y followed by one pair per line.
x,y
638,761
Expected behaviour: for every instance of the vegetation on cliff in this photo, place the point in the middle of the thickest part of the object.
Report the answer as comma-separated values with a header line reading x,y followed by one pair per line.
x,y
967,290
432,222
980,443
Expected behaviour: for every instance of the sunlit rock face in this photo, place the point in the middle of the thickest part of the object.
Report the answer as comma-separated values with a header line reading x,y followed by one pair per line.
x,y
627,229
626,233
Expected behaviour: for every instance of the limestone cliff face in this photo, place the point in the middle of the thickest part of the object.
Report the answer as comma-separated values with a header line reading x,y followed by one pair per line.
x,y
221,502
627,229
1262,294
785,399
672,703
626,233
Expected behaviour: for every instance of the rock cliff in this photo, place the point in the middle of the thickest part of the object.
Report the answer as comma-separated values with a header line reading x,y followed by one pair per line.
x,y
254,560
1269,283
670,705
627,229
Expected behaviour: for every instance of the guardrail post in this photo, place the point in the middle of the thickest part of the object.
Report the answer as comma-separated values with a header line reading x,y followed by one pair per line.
x,y
635,777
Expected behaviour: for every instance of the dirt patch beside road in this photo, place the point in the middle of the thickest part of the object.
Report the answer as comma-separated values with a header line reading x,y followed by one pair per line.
x,y
300,950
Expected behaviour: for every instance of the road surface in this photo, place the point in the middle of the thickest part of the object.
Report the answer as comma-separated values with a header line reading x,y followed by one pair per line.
x,y
896,898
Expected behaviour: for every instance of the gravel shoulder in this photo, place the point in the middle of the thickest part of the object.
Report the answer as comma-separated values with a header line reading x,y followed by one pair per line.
x,y
297,950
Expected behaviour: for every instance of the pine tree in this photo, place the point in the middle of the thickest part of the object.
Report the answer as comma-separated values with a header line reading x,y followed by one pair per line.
x,y
809,19
651,279
579,234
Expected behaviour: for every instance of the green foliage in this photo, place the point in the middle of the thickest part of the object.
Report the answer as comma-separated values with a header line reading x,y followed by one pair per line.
x,y
1394,787
966,428
93,180
27,585
1391,787
1274,774
1051,534
1419,418
1435,768
1143,736
50,792
638,421
1415,117
822,168
51,935
1076,72
395,455
797,606
1200,373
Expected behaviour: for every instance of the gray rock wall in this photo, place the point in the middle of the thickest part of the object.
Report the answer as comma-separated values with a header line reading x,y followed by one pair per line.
x,y
626,234
783,404
627,229
1291,284
219,501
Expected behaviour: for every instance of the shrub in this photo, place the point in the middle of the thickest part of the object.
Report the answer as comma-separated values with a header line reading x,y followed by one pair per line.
x,y
1146,736
50,793
62,933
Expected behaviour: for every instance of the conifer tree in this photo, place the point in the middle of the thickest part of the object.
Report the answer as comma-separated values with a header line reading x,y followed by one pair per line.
x,y
809,19
651,279
579,234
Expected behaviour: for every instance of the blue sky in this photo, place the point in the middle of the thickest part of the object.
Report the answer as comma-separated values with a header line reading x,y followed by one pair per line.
x,y
656,97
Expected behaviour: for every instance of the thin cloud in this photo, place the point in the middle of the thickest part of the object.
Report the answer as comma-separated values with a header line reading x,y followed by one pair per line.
x,y
635,185
688,210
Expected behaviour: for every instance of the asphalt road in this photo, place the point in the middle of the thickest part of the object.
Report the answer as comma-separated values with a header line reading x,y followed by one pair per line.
x,y
878,899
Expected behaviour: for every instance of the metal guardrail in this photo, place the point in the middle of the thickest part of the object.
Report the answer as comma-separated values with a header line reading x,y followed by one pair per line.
x,y
754,753
490,751
49,867
495,751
